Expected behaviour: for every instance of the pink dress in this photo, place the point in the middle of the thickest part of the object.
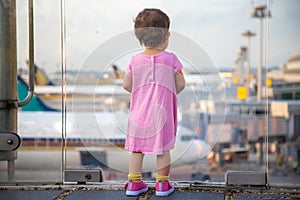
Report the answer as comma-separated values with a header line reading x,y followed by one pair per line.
x,y
152,122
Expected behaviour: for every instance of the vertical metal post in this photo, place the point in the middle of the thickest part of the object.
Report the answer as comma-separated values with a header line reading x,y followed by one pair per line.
x,y
248,65
248,34
243,58
31,55
64,83
11,170
8,78
260,12
259,61
261,151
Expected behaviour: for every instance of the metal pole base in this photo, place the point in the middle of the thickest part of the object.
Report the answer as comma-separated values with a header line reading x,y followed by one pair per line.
x,y
10,157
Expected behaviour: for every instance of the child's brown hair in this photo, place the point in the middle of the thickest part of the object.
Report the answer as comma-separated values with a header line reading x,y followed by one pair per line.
x,y
151,27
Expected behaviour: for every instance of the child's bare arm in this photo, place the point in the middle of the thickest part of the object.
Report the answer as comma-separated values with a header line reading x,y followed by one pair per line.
x,y
179,82
127,83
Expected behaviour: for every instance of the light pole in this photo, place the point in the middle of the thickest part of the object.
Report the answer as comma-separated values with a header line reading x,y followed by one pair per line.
x,y
239,70
243,51
248,34
260,12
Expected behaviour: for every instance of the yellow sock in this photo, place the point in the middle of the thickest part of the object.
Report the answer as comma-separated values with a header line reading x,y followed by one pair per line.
x,y
161,178
135,176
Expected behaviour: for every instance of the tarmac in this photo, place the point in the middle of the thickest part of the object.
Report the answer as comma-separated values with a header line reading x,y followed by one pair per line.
x,y
115,190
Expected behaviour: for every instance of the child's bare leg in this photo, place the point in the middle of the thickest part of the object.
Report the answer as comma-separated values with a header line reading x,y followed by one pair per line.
x,y
164,164
136,162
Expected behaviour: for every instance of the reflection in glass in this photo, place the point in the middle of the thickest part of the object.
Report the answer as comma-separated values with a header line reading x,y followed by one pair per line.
x,y
39,123
219,131
234,130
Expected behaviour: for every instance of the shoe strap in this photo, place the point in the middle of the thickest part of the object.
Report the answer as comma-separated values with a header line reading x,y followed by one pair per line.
x,y
160,186
130,186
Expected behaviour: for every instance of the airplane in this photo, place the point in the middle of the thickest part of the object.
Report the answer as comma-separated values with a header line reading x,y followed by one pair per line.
x,y
93,139
107,90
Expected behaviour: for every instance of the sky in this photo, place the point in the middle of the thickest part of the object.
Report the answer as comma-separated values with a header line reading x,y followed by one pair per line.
x,y
214,25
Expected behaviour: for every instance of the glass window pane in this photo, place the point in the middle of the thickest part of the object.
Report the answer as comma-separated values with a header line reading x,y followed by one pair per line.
x,y
217,132
229,119
284,73
39,158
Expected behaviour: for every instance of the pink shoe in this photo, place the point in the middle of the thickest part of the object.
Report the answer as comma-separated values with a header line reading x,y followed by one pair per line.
x,y
163,188
135,188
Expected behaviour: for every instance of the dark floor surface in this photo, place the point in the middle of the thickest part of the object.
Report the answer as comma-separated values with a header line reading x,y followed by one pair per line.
x,y
116,191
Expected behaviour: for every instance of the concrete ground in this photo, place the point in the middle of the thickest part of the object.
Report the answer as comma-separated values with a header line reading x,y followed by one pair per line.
x,y
115,190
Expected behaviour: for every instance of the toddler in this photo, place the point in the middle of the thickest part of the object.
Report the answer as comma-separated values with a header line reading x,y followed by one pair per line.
x,y
153,78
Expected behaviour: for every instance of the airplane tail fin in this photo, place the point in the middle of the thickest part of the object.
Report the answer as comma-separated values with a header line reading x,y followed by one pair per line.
x,y
117,72
40,77
36,104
